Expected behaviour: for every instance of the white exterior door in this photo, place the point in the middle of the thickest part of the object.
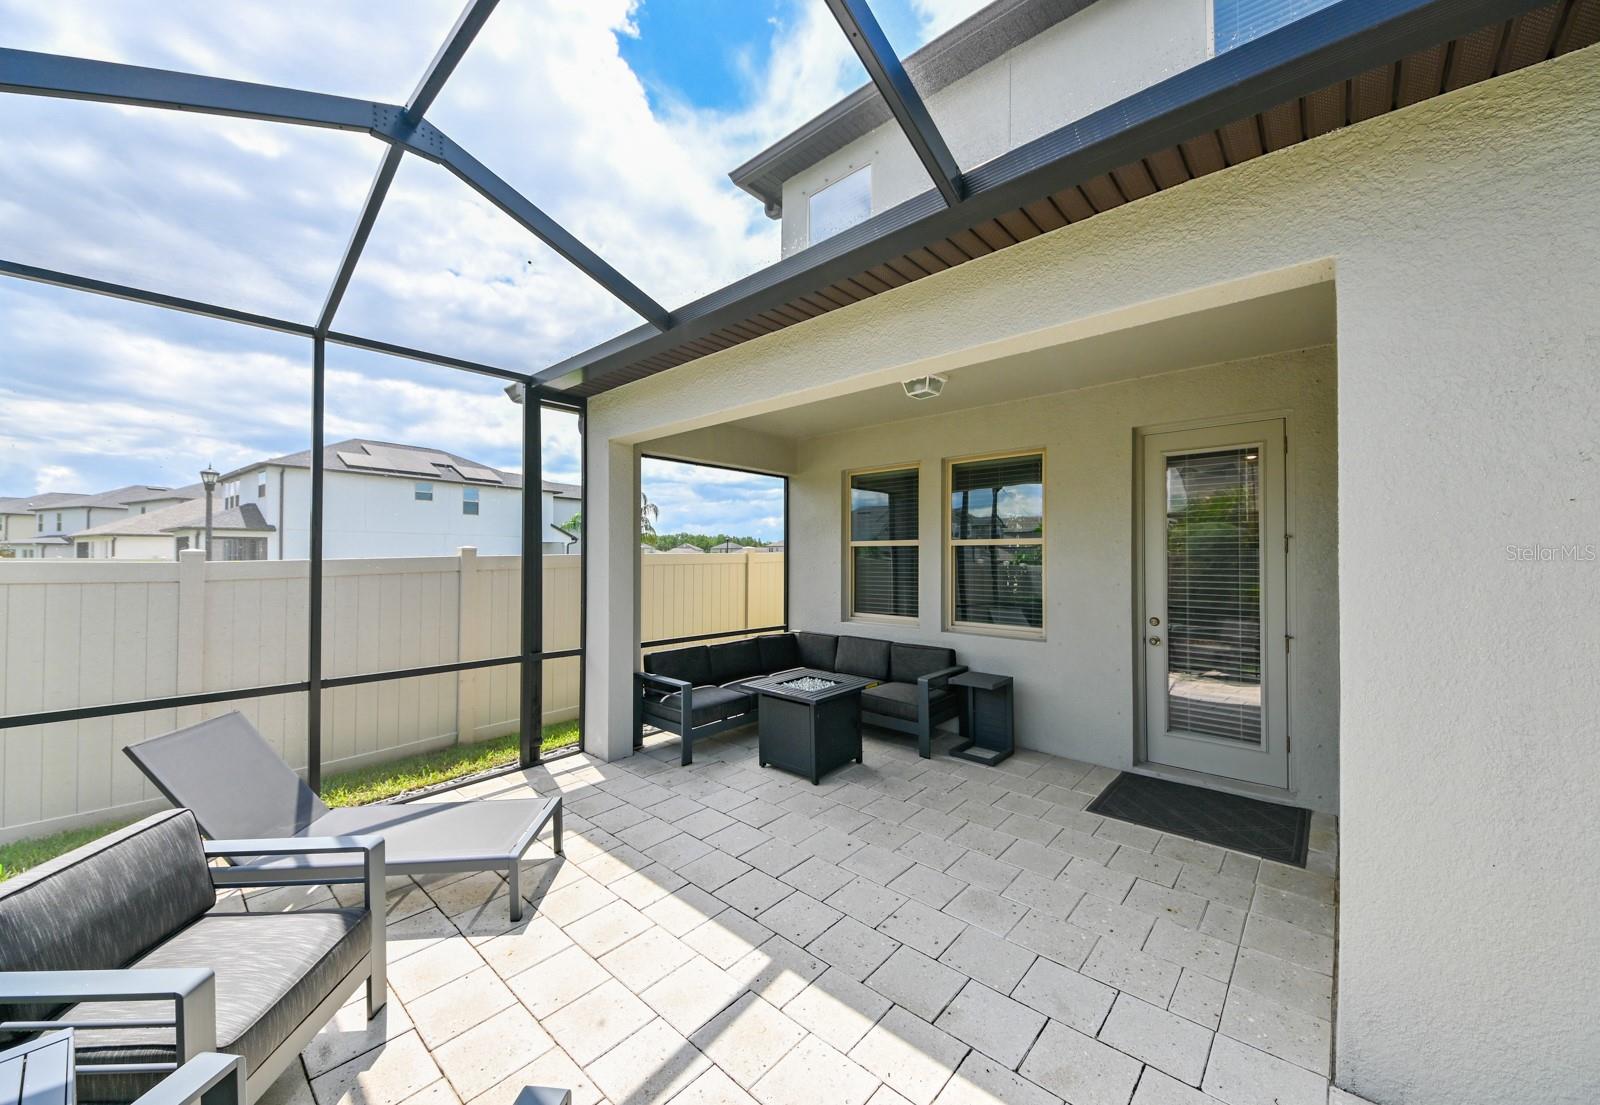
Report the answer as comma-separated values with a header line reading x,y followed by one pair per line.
x,y
1214,628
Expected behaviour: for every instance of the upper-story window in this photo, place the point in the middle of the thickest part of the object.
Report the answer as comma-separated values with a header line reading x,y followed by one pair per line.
x,y
1235,22
840,205
261,485
58,521
469,500
422,492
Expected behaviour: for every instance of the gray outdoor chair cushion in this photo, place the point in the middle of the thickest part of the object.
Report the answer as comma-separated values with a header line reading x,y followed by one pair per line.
x,y
272,971
100,909
863,656
779,652
908,663
734,661
817,650
898,700
692,665
710,704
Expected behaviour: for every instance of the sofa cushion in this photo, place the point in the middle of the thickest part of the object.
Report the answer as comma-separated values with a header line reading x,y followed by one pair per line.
x,y
102,905
900,700
863,656
692,665
710,704
273,969
734,661
908,663
817,650
779,652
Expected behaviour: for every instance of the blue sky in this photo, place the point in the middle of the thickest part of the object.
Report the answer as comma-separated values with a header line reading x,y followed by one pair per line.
x,y
619,117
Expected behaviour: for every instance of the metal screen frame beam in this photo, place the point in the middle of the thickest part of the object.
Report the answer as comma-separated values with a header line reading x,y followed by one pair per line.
x,y
1333,44
530,715
25,72
894,84
453,49
34,74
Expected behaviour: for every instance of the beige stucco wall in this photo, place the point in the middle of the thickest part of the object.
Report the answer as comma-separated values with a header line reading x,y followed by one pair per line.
x,y
1465,235
1076,688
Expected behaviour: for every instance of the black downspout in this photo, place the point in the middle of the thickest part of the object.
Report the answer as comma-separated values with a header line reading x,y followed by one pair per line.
x,y
532,704
319,353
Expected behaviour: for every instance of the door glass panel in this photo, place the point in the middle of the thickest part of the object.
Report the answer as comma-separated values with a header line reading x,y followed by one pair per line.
x,y
1214,594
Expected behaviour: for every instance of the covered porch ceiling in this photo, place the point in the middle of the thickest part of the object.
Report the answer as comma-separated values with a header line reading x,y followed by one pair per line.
x,y
1296,318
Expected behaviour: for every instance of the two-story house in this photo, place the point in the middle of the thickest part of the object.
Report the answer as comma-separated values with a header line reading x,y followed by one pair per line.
x,y
57,518
1014,71
19,525
388,499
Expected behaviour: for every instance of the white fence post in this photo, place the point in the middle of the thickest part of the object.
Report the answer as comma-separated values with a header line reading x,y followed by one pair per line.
x,y
471,631
191,630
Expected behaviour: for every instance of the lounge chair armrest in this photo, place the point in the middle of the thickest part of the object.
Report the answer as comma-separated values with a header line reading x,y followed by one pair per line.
x,y
210,1077
941,677
292,846
192,991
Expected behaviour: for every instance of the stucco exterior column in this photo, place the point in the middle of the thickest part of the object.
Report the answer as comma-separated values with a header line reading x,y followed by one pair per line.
x,y
611,559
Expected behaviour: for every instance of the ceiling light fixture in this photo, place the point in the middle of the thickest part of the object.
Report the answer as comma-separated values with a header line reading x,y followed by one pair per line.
x,y
924,387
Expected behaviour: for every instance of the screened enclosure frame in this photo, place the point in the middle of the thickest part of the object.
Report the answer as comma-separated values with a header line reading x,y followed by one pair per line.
x,y
1335,43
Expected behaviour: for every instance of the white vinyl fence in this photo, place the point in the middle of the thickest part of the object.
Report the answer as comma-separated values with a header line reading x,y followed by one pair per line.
x,y
87,633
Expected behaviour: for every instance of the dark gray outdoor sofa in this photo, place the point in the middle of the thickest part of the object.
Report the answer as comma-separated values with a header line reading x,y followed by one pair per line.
x,y
707,683
121,941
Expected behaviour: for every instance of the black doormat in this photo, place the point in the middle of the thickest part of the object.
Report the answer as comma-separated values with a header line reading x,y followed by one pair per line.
x,y
1264,829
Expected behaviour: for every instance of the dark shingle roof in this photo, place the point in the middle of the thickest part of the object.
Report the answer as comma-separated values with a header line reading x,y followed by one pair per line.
x,y
389,458
185,515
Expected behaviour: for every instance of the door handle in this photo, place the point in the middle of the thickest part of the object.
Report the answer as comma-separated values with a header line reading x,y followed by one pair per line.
x,y
1155,640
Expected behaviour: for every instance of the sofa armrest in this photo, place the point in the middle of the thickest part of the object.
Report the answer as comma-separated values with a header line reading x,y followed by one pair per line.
x,y
939,678
661,682
210,1078
191,990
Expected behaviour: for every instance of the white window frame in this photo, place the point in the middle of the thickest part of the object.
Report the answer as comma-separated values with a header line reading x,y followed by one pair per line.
x,y
851,544
422,492
952,543
471,495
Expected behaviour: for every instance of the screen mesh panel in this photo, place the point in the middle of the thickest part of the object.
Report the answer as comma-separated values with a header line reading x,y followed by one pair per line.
x,y
1214,594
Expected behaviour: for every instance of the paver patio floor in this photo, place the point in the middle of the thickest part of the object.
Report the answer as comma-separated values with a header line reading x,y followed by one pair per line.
x,y
913,930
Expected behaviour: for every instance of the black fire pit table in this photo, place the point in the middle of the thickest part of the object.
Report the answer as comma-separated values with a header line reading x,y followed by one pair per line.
x,y
810,721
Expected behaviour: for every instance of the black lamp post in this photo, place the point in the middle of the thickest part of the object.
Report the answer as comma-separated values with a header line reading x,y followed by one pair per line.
x,y
209,477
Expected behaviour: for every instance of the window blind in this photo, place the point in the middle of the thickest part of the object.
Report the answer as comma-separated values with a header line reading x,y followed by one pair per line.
x,y
883,543
993,500
1000,585
1214,594
883,506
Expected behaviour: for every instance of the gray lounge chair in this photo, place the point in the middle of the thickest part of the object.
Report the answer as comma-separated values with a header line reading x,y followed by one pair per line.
x,y
238,788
